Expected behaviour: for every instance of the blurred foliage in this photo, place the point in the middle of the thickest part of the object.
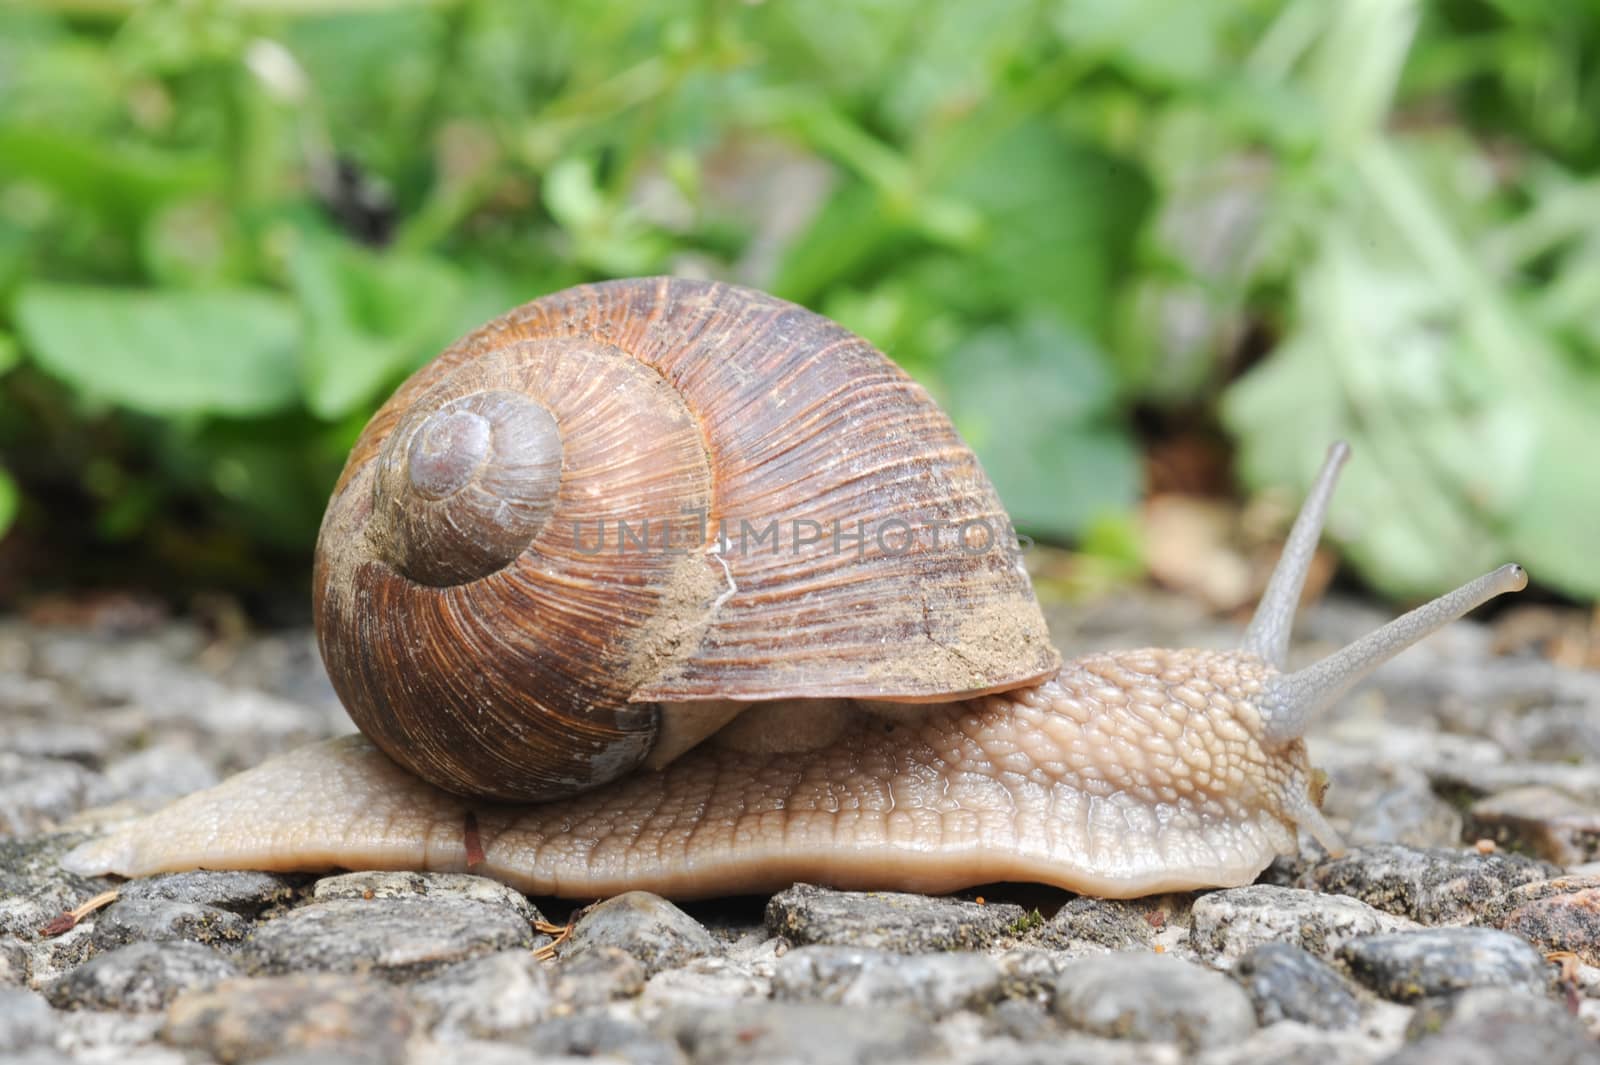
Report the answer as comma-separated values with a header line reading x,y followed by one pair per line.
x,y
228,230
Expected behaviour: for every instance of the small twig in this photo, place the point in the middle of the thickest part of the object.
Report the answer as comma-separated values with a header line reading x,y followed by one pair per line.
x,y
562,932
68,920
1568,977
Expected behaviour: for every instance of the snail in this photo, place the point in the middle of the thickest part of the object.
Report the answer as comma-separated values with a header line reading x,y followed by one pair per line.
x,y
677,586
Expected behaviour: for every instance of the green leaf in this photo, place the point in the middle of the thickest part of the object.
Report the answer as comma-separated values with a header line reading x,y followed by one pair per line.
x,y
122,182
1035,401
1472,447
224,351
373,317
1061,219
1167,41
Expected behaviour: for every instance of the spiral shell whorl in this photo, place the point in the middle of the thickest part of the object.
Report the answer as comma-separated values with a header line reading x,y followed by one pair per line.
x,y
464,488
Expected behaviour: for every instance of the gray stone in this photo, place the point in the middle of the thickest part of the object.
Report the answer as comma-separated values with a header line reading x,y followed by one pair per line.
x,y
1378,800
712,981
647,926
343,1016
405,885
16,962
1285,983
1540,821
596,977
1108,924
475,1052
395,938
1582,782
1410,965
240,892
37,794
1297,1044
1153,998
932,984
159,920
885,920
1023,1019
1430,886
485,997
1228,924
164,771
140,976
1028,972
1494,1027
601,1034
800,1034
26,1019
34,889
1433,1015
1071,1048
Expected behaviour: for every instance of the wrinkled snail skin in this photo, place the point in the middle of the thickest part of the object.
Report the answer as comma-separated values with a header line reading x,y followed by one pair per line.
x,y
927,750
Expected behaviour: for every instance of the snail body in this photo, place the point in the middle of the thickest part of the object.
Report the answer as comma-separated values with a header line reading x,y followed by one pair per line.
x,y
693,715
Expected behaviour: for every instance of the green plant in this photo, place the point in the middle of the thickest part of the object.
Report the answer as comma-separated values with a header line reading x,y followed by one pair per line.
x,y
226,231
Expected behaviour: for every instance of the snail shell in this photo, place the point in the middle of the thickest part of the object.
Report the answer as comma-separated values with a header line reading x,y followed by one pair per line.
x,y
488,624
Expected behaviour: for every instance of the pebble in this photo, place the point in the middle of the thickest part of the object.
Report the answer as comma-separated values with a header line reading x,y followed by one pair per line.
x,y
1432,886
1153,998
1298,1044
402,885
431,969
1539,821
395,938
646,926
140,976
1229,924
26,1019
1406,966
303,1017
1286,983
1433,1015
893,921
1074,1049
595,977
162,772
1557,915
159,920
800,1034
15,962
1102,924
1493,1027
599,1034
1582,782
705,982
247,893
932,984
37,794
34,888
476,1052
1382,800
486,997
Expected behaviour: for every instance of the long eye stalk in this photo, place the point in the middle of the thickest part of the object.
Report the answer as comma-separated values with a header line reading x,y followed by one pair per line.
x,y
1268,634
1293,699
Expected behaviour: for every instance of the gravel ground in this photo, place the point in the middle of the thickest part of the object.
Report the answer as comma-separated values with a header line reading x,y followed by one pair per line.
x,y
1463,927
